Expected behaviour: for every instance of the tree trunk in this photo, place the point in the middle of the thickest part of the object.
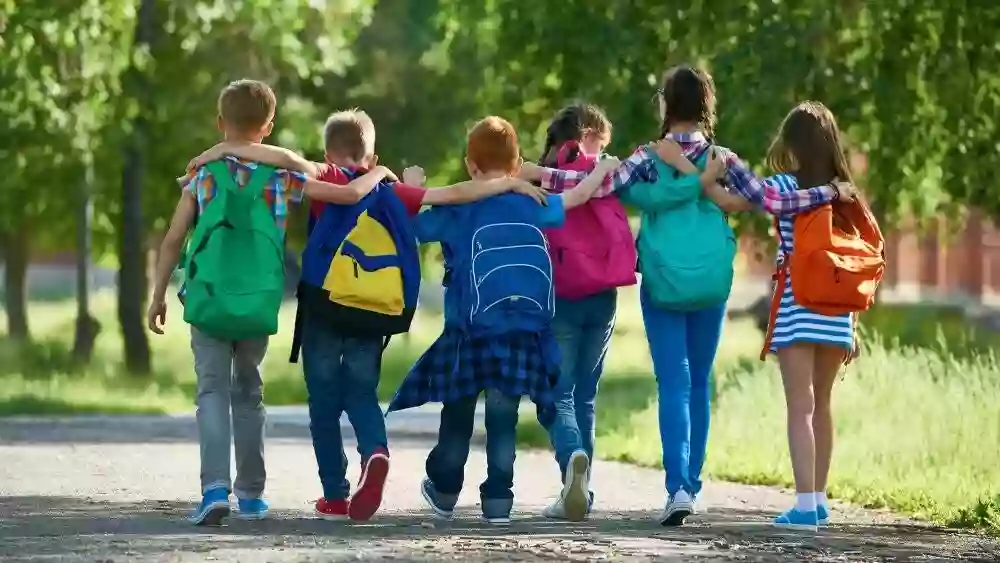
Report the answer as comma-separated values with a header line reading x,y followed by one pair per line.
x,y
131,254
15,252
87,327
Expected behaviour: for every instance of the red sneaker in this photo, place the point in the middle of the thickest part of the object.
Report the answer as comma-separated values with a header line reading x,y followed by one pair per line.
x,y
331,509
368,497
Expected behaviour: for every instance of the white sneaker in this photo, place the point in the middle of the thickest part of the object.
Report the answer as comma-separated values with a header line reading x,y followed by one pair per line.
x,y
556,510
678,508
574,500
696,507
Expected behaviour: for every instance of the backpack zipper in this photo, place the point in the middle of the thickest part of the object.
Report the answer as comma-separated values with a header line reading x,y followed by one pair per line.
x,y
357,274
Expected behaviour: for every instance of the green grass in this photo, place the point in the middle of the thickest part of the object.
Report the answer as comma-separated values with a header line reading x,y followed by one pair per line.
x,y
40,378
917,428
917,422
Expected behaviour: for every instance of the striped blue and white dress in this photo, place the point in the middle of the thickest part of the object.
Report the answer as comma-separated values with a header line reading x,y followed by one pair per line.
x,y
795,323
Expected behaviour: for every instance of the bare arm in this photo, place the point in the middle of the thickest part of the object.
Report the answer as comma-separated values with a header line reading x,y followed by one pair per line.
x,y
475,190
167,258
267,154
726,200
586,189
173,242
350,193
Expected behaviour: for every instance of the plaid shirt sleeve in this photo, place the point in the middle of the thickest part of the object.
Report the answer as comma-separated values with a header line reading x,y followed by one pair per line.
x,y
292,185
768,196
637,168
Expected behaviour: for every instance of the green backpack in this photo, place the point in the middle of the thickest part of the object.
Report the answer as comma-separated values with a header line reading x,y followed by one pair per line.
x,y
235,266
686,246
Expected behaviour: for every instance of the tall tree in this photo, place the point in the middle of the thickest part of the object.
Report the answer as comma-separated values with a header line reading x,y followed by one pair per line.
x,y
131,250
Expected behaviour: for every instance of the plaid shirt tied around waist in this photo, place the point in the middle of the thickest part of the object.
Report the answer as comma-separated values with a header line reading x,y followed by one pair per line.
x,y
457,366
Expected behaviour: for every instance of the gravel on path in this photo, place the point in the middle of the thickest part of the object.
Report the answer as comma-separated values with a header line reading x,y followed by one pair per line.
x,y
101,490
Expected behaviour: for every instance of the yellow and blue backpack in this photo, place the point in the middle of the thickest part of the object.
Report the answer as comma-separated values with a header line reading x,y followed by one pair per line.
x,y
360,267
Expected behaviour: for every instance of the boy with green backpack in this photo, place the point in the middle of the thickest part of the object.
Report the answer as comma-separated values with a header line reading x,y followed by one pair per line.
x,y
234,284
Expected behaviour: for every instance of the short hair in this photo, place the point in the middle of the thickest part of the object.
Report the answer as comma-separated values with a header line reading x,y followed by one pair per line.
x,y
247,105
492,145
349,133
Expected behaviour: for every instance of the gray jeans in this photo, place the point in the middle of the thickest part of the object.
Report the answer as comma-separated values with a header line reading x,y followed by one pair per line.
x,y
229,376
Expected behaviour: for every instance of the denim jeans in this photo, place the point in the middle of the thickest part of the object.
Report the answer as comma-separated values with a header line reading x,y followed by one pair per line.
x,y
342,374
446,462
682,345
229,380
583,329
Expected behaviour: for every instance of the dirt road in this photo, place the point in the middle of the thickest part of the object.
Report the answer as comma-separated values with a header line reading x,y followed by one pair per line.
x,y
112,490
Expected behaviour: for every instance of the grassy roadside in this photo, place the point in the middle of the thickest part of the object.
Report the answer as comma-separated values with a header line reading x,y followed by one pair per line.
x,y
917,425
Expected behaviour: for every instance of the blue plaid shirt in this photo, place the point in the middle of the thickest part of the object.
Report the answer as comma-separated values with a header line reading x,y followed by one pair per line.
x,y
457,366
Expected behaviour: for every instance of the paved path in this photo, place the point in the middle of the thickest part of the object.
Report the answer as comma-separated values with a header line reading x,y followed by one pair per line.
x,y
116,489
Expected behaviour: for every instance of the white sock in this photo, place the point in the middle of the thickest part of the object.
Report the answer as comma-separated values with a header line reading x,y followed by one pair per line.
x,y
821,500
805,502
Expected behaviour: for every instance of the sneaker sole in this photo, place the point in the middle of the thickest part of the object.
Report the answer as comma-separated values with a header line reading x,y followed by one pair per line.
x,y
366,500
797,527
676,516
440,513
213,515
497,521
252,515
577,496
331,517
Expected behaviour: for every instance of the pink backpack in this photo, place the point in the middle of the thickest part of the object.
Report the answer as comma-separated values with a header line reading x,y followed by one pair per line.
x,y
594,250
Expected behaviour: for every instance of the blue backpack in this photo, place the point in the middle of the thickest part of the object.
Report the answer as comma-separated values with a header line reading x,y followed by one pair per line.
x,y
499,268
360,268
686,251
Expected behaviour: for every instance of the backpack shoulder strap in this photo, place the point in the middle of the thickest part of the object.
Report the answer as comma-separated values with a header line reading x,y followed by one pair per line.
x,y
259,179
222,175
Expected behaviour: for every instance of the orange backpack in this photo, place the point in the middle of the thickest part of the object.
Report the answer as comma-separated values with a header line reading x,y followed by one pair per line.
x,y
835,268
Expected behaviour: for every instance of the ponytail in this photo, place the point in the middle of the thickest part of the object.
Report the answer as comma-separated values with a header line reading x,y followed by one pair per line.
x,y
547,157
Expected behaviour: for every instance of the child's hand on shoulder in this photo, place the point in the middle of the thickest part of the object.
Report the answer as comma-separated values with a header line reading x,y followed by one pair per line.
x,y
669,151
608,164
715,166
414,176
388,174
846,191
534,192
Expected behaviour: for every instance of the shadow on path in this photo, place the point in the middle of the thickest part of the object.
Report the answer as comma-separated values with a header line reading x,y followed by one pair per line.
x,y
35,529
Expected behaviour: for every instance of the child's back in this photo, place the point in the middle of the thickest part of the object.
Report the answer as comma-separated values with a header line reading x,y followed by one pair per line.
x,y
497,336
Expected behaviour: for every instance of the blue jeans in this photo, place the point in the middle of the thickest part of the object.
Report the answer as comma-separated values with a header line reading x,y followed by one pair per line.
x,y
342,374
683,345
583,329
446,462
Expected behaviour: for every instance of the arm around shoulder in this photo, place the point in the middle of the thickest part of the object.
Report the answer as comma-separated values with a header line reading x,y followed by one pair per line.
x,y
348,194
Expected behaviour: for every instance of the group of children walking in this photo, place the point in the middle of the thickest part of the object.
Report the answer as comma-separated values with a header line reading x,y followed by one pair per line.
x,y
533,255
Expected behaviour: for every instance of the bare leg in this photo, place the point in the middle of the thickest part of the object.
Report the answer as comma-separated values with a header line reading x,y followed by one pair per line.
x,y
797,362
827,364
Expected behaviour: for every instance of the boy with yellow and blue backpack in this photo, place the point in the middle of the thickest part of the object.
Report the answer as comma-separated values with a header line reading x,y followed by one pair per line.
x,y
233,288
359,286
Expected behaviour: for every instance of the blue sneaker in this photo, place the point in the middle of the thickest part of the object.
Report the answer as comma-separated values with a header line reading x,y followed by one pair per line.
x,y
795,519
822,515
443,505
252,509
214,507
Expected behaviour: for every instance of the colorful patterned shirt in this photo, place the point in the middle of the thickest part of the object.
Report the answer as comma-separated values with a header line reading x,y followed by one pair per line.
x,y
640,168
285,188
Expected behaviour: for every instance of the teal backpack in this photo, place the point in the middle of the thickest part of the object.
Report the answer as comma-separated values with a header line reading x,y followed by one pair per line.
x,y
235,267
686,246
